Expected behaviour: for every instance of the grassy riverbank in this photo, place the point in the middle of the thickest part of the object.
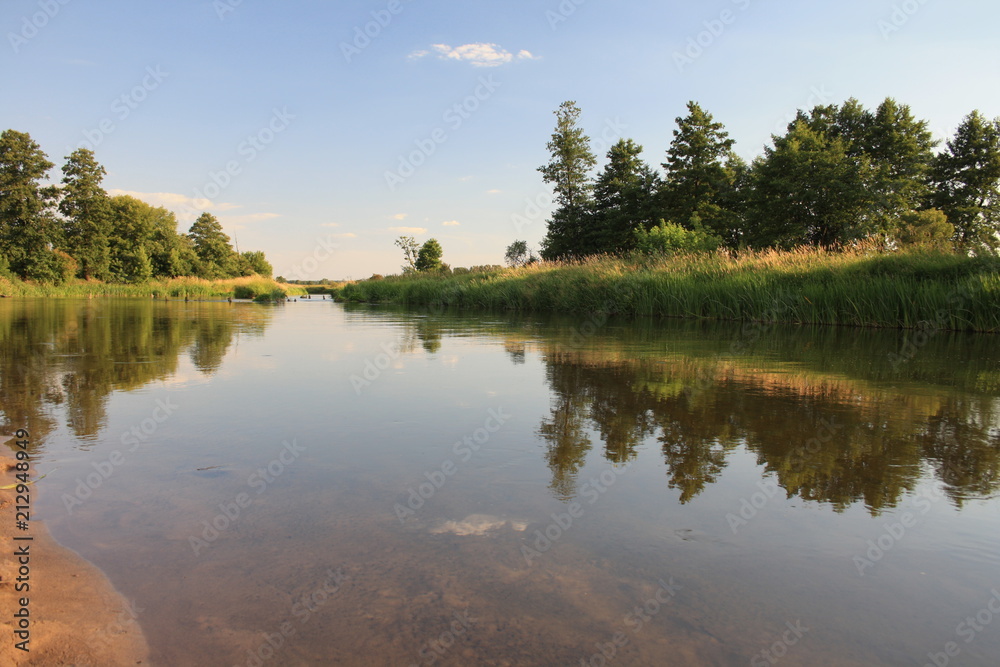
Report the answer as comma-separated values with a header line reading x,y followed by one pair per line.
x,y
195,288
856,288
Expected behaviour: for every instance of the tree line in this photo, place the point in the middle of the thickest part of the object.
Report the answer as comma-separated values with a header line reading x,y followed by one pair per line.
x,y
75,229
840,173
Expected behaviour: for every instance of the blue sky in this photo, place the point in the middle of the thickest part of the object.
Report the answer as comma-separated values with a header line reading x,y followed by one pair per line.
x,y
288,120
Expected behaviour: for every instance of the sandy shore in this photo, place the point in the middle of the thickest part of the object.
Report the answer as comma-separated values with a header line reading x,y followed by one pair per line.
x,y
76,615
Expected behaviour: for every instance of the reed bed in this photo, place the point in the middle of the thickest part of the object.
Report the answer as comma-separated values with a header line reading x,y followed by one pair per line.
x,y
906,289
248,287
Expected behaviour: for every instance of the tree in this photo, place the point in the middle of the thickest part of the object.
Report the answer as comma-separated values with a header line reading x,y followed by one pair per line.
x,y
928,229
967,179
136,225
28,228
568,173
876,163
87,212
429,257
254,262
217,257
624,197
518,254
410,249
808,189
901,149
701,172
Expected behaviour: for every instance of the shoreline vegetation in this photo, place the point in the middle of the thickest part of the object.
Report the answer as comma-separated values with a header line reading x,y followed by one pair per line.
x,y
861,287
258,288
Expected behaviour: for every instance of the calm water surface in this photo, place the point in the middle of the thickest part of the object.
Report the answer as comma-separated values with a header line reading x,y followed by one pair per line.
x,y
316,484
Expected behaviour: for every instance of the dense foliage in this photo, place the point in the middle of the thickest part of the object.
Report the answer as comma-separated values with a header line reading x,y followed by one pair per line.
x,y
839,174
54,233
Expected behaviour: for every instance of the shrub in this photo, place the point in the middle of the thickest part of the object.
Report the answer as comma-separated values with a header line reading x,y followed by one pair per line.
x,y
671,238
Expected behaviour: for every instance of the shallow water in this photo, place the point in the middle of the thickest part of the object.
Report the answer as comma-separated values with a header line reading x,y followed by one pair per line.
x,y
324,484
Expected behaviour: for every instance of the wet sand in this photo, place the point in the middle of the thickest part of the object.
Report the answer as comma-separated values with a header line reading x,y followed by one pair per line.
x,y
76,615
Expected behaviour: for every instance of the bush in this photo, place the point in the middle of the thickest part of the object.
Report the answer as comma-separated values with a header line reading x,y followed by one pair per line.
x,y
272,295
670,238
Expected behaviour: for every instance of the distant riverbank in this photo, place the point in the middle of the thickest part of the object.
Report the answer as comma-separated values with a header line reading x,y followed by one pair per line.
x,y
250,287
911,289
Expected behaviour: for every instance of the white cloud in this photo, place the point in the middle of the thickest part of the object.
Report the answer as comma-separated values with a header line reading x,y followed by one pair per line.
x,y
253,217
480,54
451,223
345,235
186,208
493,192
408,230
401,216
330,224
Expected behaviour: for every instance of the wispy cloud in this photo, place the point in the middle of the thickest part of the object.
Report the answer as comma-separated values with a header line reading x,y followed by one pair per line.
x,y
452,223
330,224
253,217
401,216
185,207
480,54
493,192
408,230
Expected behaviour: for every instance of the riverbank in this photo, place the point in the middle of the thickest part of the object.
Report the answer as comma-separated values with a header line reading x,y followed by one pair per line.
x,y
174,288
912,289
76,616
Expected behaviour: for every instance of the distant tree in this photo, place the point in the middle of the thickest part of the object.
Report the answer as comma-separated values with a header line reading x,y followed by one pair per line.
x,y
624,197
410,249
87,211
28,227
701,172
967,179
254,262
568,171
429,256
216,255
517,254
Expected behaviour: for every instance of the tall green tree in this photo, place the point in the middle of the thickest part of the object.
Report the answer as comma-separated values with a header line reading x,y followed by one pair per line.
x,y
429,257
967,180
701,174
172,254
216,255
29,231
624,197
892,151
901,149
808,189
87,212
568,172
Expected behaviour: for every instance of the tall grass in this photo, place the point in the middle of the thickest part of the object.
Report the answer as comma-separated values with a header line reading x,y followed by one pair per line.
x,y
247,287
858,288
